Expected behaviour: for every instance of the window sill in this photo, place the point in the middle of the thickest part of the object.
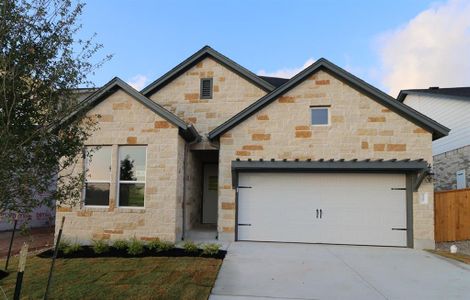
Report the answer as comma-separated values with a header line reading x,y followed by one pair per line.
x,y
140,210
95,208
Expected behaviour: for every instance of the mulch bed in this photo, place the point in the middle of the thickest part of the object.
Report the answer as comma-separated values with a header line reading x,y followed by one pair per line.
x,y
87,252
3,274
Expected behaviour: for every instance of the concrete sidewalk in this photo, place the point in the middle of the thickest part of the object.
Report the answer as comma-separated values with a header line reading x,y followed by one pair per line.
x,y
254,270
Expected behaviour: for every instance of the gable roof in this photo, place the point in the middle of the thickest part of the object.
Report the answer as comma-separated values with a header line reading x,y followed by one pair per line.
x,y
188,132
206,51
407,112
462,93
276,81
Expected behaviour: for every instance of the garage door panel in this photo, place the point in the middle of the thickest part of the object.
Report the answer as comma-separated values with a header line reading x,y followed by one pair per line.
x,y
356,208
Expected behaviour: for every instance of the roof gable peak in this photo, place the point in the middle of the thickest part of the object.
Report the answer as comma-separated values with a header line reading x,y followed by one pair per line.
x,y
188,132
197,57
414,116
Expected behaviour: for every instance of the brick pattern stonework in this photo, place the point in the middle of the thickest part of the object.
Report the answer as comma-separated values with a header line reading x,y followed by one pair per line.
x,y
232,93
446,166
126,121
360,128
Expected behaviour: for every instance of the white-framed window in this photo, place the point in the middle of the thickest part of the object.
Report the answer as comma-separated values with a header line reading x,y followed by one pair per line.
x,y
97,175
132,169
320,115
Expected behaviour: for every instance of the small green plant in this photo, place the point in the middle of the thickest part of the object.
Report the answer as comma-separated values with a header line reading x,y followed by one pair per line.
x,y
120,244
135,247
64,244
190,247
72,248
210,249
100,246
160,246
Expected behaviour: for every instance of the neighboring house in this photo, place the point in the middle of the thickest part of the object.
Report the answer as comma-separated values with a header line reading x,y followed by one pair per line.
x,y
43,215
322,157
450,107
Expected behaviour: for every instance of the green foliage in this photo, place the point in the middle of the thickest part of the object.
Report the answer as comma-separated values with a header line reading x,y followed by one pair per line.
x,y
100,246
190,247
43,60
120,244
135,247
64,244
72,248
160,246
210,249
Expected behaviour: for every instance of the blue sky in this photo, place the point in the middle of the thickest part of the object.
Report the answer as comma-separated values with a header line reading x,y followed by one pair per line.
x,y
148,38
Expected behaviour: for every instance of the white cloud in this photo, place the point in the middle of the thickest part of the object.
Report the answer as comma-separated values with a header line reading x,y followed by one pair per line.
x,y
432,49
138,81
287,72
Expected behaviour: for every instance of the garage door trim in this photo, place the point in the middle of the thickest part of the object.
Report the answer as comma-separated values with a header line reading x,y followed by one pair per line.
x,y
408,167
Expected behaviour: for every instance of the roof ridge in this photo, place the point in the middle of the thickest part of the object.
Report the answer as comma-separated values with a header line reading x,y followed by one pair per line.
x,y
197,56
187,130
437,129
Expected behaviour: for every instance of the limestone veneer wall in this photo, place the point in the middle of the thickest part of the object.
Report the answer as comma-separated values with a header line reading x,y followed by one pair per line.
x,y
360,128
232,93
125,121
446,166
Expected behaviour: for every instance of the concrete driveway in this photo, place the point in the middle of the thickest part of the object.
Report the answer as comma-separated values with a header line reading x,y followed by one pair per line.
x,y
255,270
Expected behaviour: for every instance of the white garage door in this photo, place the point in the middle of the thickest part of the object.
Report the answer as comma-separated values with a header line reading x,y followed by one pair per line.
x,y
360,209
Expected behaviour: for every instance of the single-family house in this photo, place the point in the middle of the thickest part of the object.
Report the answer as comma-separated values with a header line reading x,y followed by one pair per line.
x,y
451,154
323,157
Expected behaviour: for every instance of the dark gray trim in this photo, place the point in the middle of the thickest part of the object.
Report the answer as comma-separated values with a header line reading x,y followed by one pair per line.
x,y
194,59
211,88
188,132
365,166
409,211
403,93
419,179
407,112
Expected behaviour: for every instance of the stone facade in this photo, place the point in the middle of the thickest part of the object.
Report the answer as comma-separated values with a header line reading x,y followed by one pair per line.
x,y
231,94
446,166
125,121
360,128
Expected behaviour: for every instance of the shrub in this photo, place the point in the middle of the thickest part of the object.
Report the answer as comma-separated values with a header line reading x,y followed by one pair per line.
x,y
100,246
210,249
72,248
120,244
64,244
135,247
160,246
190,247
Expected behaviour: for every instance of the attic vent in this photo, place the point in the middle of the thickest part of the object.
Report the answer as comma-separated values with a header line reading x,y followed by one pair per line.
x,y
206,88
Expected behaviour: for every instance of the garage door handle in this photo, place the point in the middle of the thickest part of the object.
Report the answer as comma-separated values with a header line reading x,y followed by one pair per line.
x,y
244,224
317,213
321,213
403,229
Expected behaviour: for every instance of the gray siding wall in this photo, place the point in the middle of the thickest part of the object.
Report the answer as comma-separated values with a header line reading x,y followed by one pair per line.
x,y
450,112
446,166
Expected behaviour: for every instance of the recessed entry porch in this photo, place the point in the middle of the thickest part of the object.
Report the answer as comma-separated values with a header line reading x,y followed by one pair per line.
x,y
200,210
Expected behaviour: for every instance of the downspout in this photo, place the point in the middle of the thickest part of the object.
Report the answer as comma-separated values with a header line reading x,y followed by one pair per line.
x,y
185,157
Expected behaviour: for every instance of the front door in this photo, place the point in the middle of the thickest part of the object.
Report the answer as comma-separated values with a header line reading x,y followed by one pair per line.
x,y
210,191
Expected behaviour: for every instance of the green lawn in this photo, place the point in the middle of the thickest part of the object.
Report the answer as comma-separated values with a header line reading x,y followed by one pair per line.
x,y
117,278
